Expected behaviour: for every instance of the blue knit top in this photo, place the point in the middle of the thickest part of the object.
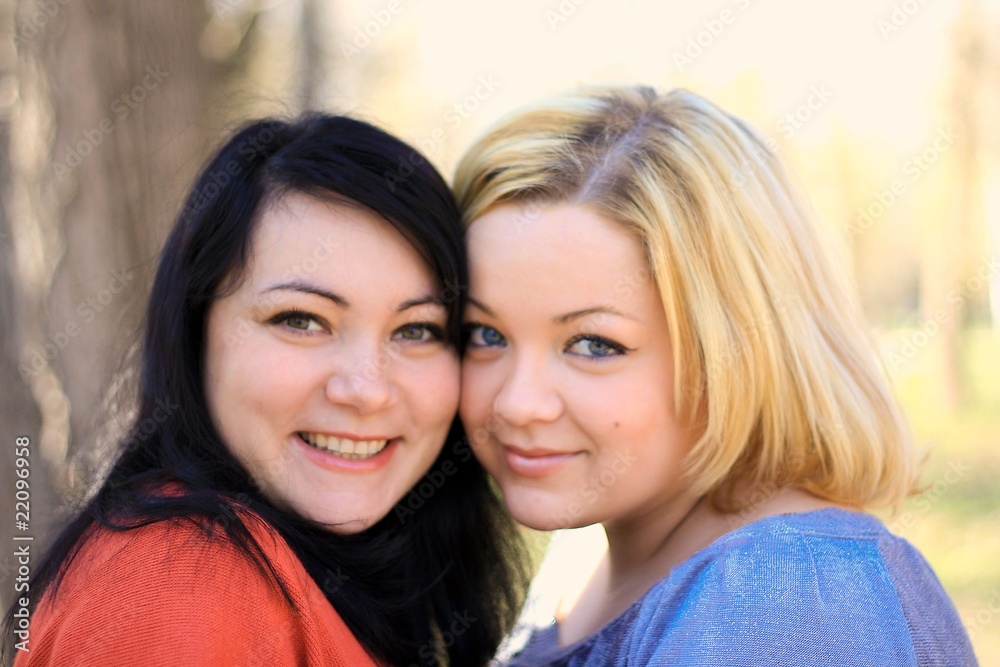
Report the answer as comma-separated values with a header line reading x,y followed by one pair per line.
x,y
828,587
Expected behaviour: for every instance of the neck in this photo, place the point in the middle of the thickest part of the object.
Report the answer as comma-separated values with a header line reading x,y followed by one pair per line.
x,y
655,541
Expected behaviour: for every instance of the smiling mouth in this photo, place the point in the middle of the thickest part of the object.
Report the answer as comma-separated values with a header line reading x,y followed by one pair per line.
x,y
344,447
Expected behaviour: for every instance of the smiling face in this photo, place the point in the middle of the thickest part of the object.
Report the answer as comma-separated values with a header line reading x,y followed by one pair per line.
x,y
567,383
325,370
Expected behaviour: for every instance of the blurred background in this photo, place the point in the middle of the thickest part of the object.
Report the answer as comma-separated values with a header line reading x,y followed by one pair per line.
x,y
889,110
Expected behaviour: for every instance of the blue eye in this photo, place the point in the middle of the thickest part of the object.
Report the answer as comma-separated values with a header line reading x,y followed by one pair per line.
x,y
594,346
480,335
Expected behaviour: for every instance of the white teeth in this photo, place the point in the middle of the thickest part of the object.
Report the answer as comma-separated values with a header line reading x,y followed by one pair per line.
x,y
348,449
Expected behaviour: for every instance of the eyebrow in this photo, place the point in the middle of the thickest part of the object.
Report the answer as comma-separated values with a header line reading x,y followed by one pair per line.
x,y
566,317
300,286
480,306
420,301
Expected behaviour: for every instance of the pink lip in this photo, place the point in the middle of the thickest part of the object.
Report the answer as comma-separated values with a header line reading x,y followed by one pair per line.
x,y
536,462
330,461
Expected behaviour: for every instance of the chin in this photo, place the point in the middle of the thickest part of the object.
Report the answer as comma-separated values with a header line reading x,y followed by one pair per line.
x,y
543,511
339,523
348,526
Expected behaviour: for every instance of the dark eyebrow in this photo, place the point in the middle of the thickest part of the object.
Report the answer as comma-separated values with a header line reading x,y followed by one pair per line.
x,y
420,301
598,310
480,306
299,286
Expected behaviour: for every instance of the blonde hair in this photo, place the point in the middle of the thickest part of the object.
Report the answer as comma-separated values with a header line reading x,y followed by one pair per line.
x,y
771,352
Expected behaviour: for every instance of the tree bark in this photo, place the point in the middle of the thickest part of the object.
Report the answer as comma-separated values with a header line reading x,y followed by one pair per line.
x,y
114,108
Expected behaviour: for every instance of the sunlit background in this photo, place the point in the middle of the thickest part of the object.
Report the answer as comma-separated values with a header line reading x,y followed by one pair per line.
x,y
889,110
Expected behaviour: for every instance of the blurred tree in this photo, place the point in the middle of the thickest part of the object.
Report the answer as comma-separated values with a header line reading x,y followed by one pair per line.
x,y
106,110
954,238
313,56
18,412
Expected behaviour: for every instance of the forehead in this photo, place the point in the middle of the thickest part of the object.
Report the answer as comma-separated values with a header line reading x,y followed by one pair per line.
x,y
572,236
564,245
304,237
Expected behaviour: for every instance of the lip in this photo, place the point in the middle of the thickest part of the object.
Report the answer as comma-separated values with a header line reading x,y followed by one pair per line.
x,y
330,461
536,461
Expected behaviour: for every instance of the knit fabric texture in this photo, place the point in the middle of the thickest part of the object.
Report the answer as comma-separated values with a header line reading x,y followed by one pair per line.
x,y
821,588
170,594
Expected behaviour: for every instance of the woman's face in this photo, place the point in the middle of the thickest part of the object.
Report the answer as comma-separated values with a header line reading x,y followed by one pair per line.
x,y
568,376
325,371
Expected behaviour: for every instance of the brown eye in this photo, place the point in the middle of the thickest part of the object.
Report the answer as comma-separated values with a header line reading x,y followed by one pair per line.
x,y
419,332
297,321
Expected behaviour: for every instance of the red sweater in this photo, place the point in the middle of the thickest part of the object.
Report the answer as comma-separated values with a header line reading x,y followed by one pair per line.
x,y
167,594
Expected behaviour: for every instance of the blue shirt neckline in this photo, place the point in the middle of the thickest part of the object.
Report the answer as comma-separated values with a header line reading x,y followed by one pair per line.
x,y
832,522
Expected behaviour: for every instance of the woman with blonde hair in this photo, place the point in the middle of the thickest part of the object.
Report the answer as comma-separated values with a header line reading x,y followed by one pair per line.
x,y
657,341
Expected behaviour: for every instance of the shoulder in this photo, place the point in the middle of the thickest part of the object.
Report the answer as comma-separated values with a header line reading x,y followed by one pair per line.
x,y
174,558
180,592
817,588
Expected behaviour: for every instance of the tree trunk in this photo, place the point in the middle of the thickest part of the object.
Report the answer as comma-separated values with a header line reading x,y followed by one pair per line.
x,y
113,109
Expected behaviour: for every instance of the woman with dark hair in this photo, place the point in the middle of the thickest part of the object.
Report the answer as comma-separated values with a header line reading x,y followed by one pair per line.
x,y
306,496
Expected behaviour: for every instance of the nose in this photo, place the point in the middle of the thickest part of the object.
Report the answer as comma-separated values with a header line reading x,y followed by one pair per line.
x,y
528,394
364,381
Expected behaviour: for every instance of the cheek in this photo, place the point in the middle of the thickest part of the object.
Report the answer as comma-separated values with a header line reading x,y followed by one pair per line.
x,y
265,376
433,389
254,392
478,391
631,407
